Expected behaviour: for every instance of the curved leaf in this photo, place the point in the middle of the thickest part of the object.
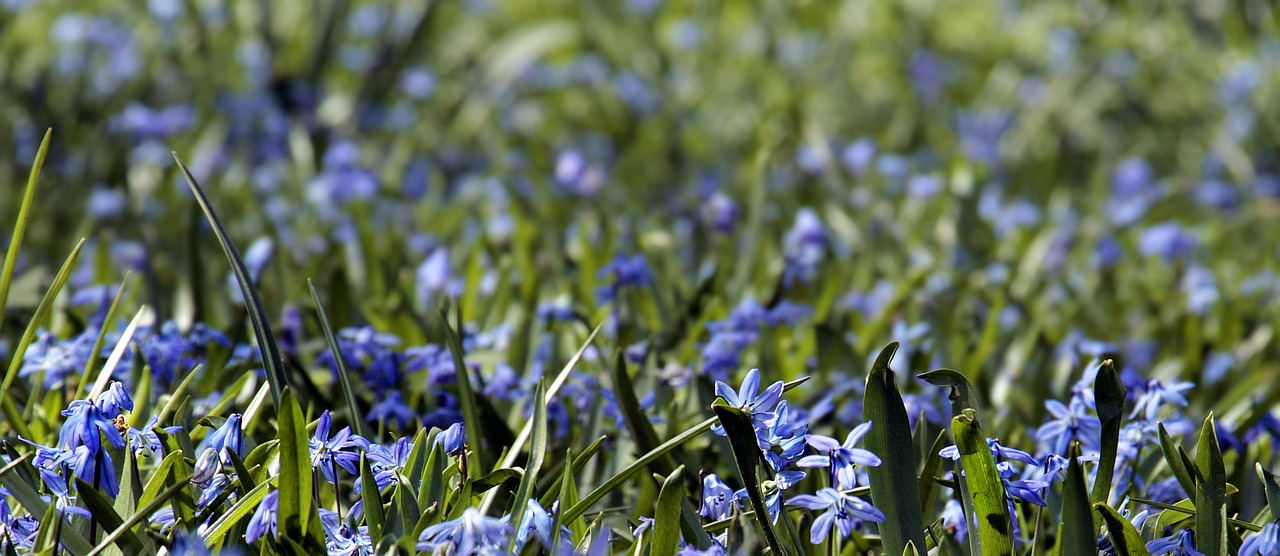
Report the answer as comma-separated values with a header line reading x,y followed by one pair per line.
x,y
895,488
666,518
982,486
746,453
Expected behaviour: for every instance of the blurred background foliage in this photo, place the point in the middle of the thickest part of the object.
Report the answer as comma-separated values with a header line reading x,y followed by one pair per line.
x,y
993,181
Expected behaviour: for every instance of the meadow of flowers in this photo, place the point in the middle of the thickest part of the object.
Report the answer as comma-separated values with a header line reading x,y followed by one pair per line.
x,y
639,277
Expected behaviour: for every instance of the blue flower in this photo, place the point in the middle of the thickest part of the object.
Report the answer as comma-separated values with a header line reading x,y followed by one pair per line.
x,y
392,409
86,425
953,520
264,518
227,436
1178,544
1263,543
1167,240
758,404
469,534
844,512
804,247
1070,422
717,498
627,272
115,400
453,439
1156,395
342,449
840,457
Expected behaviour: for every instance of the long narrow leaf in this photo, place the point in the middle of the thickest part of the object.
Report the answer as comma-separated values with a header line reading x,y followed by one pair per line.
x,y
895,488
100,508
42,313
295,505
666,518
20,227
1075,529
1109,393
466,393
537,452
272,364
746,453
344,377
1211,493
1124,536
982,481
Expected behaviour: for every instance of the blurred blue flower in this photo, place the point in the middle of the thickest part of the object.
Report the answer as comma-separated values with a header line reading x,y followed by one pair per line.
x,y
264,518
1071,421
1181,543
392,410
982,134
858,156
1158,394
472,533
843,512
804,247
954,521
1168,240
626,272
1263,543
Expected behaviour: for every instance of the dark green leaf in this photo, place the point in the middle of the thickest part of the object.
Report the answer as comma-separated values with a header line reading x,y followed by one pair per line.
x,y
1124,536
344,377
895,488
1075,529
296,508
928,473
1272,488
272,364
666,520
961,396
1109,393
746,453
20,226
100,508
537,453
1177,464
372,498
466,393
983,487
1211,493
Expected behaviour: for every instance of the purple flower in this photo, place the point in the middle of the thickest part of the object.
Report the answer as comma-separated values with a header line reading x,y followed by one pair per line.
x,y
1156,395
1167,240
1263,543
843,511
1180,543
627,272
115,400
453,439
392,409
717,498
341,450
857,156
473,533
1070,422
953,520
982,134
264,518
804,247
841,458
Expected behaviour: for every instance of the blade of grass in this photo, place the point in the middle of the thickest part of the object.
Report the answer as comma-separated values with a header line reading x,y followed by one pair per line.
x,y
101,510
42,313
1124,536
746,453
1075,529
272,364
537,453
466,393
983,486
117,353
143,513
107,319
1211,493
1272,488
20,227
344,379
895,488
666,518
296,508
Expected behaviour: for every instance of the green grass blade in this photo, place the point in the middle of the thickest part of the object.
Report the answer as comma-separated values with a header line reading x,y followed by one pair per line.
x,y
108,318
537,453
466,393
272,364
372,498
1124,536
1211,493
984,489
296,508
344,378
28,496
105,514
1176,462
1109,393
1271,487
161,499
117,353
928,474
42,312
1075,529
637,421
20,227
666,518
895,488
746,453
